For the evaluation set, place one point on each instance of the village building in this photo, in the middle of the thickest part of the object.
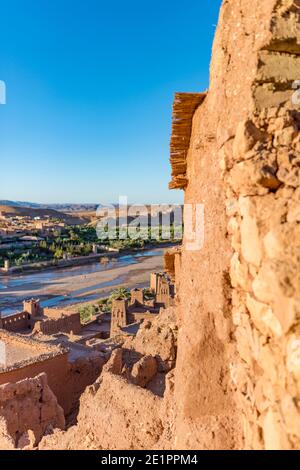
(48, 321)
(126, 313)
(69, 368)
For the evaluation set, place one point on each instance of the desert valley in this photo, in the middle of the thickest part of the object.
(164, 342)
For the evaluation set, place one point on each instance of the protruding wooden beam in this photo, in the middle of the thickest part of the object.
(184, 107)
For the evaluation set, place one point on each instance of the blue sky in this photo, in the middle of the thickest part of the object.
(90, 86)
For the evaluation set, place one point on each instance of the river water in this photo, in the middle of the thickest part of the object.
(61, 287)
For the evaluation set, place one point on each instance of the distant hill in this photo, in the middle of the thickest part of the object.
(39, 212)
(19, 204)
(73, 207)
(59, 207)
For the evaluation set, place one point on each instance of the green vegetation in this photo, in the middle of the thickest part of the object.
(87, 312)
(121, 293)
(18, 257)
(145, 236)
(74, 242)
(106, 304)
(102, 305)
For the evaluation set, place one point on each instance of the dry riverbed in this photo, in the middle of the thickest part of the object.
(67, 286)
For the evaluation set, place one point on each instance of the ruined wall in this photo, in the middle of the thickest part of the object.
(56, 369)
(131, 418)
(17, 322)
(29, 405)
(63, 324)
(81, 373)
(134, 317)
(157, 337)
(67, 380)
(137, 296)
(130, 406)
(237, 374)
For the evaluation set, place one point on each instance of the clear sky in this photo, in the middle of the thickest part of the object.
(90, 85)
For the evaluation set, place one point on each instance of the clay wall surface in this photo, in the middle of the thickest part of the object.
(27, 357)
(56, 369)
(140, 316)
(67, 380)
(130, 404)
(118, 316)
(237, 374)
(137, 295)
(32, 307)
(29, 405)
(63, 324)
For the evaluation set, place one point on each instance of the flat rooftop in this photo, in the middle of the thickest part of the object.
(19, 351)
(56, 312)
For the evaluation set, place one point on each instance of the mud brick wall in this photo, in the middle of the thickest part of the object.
(238, 368)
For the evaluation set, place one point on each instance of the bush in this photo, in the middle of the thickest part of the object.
(86, 313)
(106, 304)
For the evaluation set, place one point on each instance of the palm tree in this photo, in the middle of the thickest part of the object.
(120, 293)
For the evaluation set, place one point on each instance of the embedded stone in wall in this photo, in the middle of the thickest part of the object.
(293, 355)
(247, 135)
(263, 317)
(251, 245)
